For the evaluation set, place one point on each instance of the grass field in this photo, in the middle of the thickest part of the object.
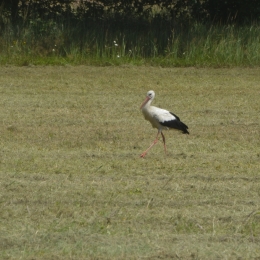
(72, 184)
(156, 43)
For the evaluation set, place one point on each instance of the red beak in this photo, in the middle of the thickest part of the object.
(145, 101)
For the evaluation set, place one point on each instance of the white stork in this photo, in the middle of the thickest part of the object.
(160, 119)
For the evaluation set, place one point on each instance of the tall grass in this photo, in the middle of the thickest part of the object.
(157, 42)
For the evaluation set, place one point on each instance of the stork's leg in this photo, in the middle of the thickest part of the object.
(154, 142)
(164, 142)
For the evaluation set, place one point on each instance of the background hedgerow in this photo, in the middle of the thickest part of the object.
(62, 32)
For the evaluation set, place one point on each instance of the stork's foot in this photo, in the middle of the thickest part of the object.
(143, 155)
(145, 152)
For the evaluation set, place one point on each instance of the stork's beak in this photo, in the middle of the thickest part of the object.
(145, 101)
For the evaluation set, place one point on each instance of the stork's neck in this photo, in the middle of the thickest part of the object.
(147, 105)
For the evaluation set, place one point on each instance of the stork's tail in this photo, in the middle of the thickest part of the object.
(184, 128)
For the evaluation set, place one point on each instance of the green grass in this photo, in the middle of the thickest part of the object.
(72, 184)
(159, 44)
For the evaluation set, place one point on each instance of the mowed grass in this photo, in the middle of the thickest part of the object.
(72, 184)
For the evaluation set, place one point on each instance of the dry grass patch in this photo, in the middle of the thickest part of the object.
(73, 185)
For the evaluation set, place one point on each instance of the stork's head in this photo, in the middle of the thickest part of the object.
(149, 97)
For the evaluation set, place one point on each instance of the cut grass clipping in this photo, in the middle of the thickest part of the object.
(72, 185)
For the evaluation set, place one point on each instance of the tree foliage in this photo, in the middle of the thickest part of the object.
(141, 28)
(19, 13)
(214, 10)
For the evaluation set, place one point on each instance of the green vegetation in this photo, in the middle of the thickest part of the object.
(197, 45)
(72, 184)
(131, 32)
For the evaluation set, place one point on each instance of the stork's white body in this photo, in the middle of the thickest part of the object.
(156, 116)
(161, 119)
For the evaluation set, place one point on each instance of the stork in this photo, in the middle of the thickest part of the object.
(161, 119)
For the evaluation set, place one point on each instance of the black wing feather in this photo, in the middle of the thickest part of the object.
(176, 124)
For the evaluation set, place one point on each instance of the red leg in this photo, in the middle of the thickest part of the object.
(154, 142)
(164, 143)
